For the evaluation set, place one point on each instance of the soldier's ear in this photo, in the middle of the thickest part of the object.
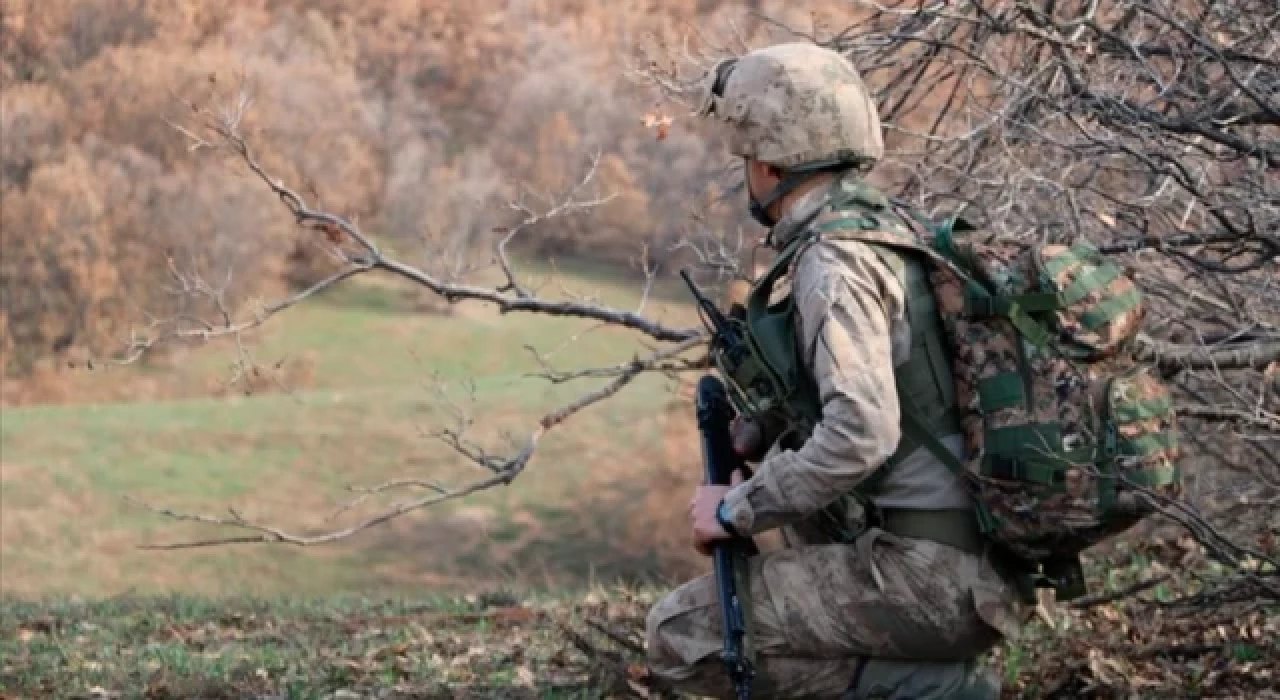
(764, 175)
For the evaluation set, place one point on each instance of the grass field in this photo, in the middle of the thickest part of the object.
(287, 458)
(182, 646)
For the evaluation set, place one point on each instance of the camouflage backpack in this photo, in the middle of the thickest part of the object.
(1066, 436)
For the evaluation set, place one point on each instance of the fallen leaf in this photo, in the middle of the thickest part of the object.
(513, 614)
(1046, 607)
(660, 122)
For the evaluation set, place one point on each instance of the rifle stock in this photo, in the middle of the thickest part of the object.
(714, 414)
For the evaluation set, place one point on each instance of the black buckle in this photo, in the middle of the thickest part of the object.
(1007, 468)
(980, 306)
(1015, 469)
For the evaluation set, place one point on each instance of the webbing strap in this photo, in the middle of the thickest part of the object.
(982, 305)
(1146, 444)
(1154, 477)
(927, 372)
(1031, 331)
(1095, 278)
(952, 527)
(913, 427)
(1025, 439)
(999, 391)
(1133, 411)
(1080, 250)
(1019, 469)
(1107, 311)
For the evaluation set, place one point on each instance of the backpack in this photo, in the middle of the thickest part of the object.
(1068, 439)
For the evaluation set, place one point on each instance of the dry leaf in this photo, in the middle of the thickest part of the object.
(1046, 607)
(513, 614)
(660, 122)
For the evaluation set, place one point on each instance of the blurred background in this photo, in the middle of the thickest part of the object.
(418, 120)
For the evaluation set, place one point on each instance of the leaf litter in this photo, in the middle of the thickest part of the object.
(1166, 634)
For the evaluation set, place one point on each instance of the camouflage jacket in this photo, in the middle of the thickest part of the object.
(853, 331)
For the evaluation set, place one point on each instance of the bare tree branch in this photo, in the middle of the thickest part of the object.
(1170, 356)
(503, 471)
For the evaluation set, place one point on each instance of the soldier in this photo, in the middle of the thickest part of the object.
(886, 588)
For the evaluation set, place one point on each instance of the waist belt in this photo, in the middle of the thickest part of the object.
(952, 527)
(959, 529)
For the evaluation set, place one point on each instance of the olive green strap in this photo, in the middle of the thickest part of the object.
(1077, 253)
(952, 527)
(913, 427)
(1133, 411)
(1003, 390)
(1105, 312)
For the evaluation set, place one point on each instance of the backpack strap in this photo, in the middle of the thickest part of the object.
(913, 427)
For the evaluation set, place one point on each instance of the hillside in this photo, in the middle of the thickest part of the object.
(342, 354)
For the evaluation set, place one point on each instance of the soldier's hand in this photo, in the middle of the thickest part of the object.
(702, 513)
(748, 438)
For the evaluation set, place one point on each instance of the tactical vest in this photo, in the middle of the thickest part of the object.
(781, 387)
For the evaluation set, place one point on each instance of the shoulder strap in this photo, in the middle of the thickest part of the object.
(913, 428)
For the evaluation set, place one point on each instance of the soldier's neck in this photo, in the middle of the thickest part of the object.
(799, 207)
(789, 200)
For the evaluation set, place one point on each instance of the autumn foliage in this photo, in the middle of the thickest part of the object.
(420, 120)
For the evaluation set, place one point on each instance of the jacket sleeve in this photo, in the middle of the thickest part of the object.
(847, 301)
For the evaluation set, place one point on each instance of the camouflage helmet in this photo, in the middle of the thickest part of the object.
(797, 106)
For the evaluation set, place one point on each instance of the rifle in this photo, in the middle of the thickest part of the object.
(719, 461)
(724, 337)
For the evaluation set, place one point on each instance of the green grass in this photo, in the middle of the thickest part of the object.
(287, 458)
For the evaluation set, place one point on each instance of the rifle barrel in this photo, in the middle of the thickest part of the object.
(719, 462)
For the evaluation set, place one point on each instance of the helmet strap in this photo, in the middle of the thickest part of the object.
(791, 179)
(760, 207)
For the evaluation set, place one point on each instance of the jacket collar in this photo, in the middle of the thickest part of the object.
(804, 210)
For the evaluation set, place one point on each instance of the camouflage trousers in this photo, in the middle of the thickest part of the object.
(907, 616)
